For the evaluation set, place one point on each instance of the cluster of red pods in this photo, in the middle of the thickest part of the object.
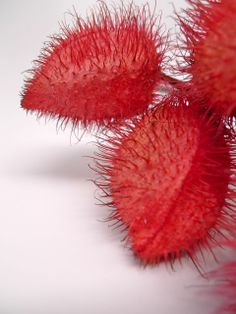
(167, 153)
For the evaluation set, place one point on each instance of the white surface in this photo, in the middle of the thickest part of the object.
(55, 254)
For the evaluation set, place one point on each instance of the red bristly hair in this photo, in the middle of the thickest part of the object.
(101, 70)
(208, 48)
(225, 283)
(169, 179)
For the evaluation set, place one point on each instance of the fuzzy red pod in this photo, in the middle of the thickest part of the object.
(225, 284)
(209, 50)
(168, 177)
(103, 69)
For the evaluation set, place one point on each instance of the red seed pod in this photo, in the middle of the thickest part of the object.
(225, 284)
(209, 46)
(168, 176)
(103, 69)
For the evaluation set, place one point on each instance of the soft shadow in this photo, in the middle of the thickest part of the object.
(62, 163)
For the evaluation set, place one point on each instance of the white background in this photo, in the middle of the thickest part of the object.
(56, 256)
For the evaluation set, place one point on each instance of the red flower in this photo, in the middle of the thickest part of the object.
(168, 176)
(102, 70)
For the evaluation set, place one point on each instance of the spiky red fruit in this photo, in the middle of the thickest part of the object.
(168, 175)
(225, 277)
(103, 69)
(209, 30)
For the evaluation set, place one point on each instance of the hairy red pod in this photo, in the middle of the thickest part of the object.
(225, 284)
(103, 69)
(168, 176)
(209, 46)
